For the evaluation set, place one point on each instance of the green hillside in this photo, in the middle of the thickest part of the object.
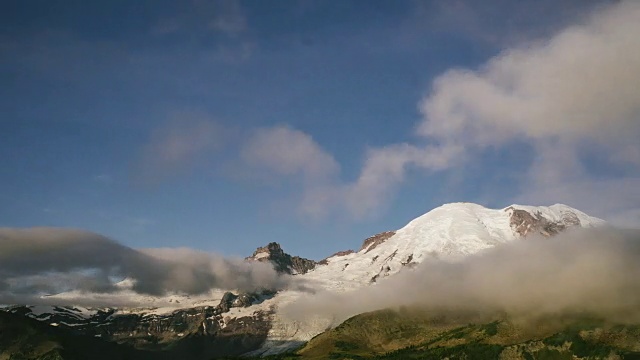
(415, 334)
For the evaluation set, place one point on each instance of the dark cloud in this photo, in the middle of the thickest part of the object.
(45, 260)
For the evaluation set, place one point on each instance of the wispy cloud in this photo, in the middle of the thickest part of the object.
(228, 17)
(286, 151)
(499, 23)
(104, 179)
(224, 20)
(225, 16)
(176, 146)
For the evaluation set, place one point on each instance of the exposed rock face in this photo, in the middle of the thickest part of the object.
(282, 262)
(525, 223)
(343, 253)
(370, 243)
(325, 261)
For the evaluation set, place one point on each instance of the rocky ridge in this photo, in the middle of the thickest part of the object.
(282, 262)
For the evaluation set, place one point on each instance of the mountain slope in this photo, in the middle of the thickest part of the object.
(253, 321)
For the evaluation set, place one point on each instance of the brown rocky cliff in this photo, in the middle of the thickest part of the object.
(370, 243)
(525, 223)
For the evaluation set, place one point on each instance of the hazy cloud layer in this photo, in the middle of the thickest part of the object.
(581, 271)
(46, 260)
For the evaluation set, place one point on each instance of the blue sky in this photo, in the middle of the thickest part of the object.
(224, 125)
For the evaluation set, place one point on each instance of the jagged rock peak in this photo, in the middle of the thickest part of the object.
(282, 262)
(265, 253)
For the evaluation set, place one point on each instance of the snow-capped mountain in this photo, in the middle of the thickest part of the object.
(449, 232)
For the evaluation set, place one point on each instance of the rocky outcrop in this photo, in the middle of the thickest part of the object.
(370, 243)
(282, 262)
(525, 223)
(325, 261)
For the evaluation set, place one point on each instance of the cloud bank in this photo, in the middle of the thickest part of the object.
(38, 261)
(585, 271)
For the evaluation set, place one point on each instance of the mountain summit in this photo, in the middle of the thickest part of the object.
(450, 231)
(282, 262)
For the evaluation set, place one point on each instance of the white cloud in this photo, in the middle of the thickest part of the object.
(286, 151)
(577, 89)
(384, 168)
(281, 151)
(573, 98)
(581, 83)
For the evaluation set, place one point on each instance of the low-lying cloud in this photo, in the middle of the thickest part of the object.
(39, 261)
(590, 271)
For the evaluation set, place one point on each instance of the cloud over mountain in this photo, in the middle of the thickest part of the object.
(37, 261)
(581, 271)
